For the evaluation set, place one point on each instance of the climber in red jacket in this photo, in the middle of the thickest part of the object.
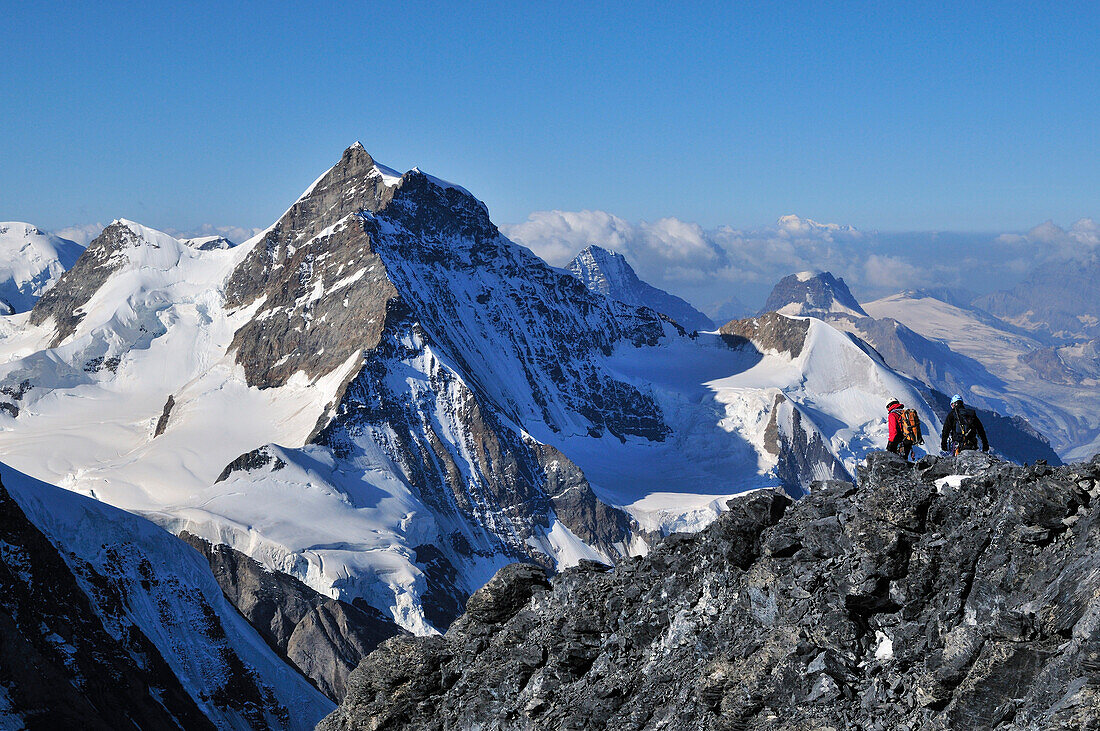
(896, 442)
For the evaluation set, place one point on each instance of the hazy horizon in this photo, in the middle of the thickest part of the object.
(708, 267)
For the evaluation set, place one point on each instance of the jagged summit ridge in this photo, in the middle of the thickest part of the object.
(812, 293)
(609, 273)
(960, 593)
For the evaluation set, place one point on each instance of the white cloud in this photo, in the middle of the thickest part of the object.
(80, 233)
(701, 265)
(1049, 242)
(709, 266)
(887, 272)
(236, 234)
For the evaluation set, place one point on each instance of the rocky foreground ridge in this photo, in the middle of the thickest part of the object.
(915, 600)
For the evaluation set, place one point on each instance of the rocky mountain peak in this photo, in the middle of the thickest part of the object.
(812, 294)
(428, 204)
(597, 263)
(609, 273)
(119, 243)
(770, 331)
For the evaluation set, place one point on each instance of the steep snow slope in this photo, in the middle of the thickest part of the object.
(1065, 409)
(30, 262)
(142, 582)
(609, 273)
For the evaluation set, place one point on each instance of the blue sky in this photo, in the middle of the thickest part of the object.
(885, 117)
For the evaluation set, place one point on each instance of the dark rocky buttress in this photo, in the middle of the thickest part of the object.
(324, 638)
(904, 603)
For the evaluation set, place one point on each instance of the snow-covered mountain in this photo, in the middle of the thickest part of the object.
(931, 362)
(609, 274)
(1027, 377)
(812, 294)
(109, 622)
(385, 398)
(30, 262)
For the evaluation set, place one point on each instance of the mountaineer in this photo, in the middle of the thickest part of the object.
(905, 428)
(962, 427)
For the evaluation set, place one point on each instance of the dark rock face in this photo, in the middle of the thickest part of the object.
(770, 331)
(495, 307)
(162, 422)
(325, 290)
(574, 503)
(506, 593)
(812, 295)
(63, 302)
(324, 638)
(908, 602)
(59, 665)
(256, 459)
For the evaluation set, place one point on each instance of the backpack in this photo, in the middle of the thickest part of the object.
(910, 426)
(965, 431)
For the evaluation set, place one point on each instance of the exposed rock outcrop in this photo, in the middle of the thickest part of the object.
(324, 638)
(959, 593)
(770, 331)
